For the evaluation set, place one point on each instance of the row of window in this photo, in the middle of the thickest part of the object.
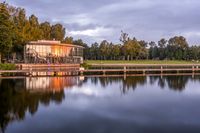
(55, 50)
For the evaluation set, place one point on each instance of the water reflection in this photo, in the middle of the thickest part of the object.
(176, 83)
(20, 97)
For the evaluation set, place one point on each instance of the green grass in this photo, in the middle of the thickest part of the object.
(90, 62)
(6, 66)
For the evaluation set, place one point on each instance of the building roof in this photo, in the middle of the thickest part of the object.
(50, 42)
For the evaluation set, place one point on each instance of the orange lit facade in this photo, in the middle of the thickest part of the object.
(44, 52)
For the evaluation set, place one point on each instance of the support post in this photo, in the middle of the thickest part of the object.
(124, 69)
(81, 73)
(161, 69)
(124, 76)
(104, 73)
(144, 72)
(30, 71)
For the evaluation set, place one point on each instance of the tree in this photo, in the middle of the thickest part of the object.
(143, 43)
(46, 30)
(57, 32)
(94, 51)
(104, 49)
(35, 31)
(132, 48)
(21, 30)
(124, 37)
(152, 44)
(116, 51)
(178, 41)
(68, 40)
(162, 43)
(6, 30)
(177, 47)
(79, 42)
(161, 50)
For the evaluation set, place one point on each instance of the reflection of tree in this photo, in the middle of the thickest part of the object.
(94, 80)
(133, 82)
(176, 83)
(16, 100)
(127, 84)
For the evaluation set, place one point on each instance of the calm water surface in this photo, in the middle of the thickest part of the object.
(168, 104)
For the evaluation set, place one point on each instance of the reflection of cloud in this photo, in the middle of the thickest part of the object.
(192, 89)
(84, 91)
(92, 90)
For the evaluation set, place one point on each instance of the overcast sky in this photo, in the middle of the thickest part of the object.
(96, 20)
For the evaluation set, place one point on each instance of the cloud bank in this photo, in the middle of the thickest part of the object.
(96, 20)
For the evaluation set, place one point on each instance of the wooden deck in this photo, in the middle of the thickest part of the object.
(47, 66)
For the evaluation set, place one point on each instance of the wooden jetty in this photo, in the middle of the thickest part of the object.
(106, 69)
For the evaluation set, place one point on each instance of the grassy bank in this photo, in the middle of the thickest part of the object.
(90, 62)
(7, 66)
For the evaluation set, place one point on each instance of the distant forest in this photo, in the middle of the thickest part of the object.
(16, 29)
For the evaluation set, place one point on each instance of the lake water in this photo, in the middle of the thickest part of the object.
(140, 104)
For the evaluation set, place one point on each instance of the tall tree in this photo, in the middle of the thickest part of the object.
(176, 47)
(104, 49)
(132, 48)
(94, 51)
(116, 51)
(57, 32)
(46, 30)
(143, 43)
(21, 30)
(178, 41)
(5, 30)
(162, 44)
(36, 32)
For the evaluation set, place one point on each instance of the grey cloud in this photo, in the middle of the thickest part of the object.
(144, 19)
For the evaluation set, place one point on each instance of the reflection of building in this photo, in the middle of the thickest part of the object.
(50, 83)
(44, 52)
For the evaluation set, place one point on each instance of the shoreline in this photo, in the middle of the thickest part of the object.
(104, 69)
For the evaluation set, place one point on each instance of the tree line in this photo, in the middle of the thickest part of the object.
(175, 48)
(17, 29)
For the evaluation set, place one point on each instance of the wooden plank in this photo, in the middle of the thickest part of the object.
(144, 65)
(113, 75)
(97, 70)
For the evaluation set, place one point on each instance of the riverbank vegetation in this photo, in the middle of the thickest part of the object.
(7, 66)
(17, 29)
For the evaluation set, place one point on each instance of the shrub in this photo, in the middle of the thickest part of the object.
(7, 66)
(85, 65)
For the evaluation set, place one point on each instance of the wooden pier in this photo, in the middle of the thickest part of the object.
(98, 69)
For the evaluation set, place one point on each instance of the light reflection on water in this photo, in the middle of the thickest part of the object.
(105, 104)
